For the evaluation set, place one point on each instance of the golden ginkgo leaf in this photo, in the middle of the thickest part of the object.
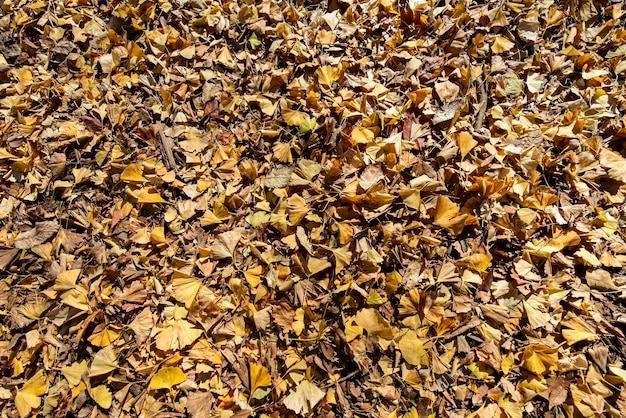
(540, 358)
(149, 195)
(167, 378)
(104, 337)
(102, 395)
(259, 377)
(133, 173)
(412, 349)
(29, 396)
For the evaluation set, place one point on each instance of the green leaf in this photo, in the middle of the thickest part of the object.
(254, 40)
(308, 124)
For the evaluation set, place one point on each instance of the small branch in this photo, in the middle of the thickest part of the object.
(165, 145)
(482, 106)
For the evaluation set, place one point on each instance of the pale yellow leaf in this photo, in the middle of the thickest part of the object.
(104, 361)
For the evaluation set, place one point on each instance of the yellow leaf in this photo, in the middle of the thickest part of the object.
(447, 215)
(185, 289)
(298, 321)
(540, 358)
(343, 258)
(167, 378)
(466, 142)
(28, 397)
(412, 349)
(104, 337)
(577, 330)
(361, 135)
(104, 362)
(373, 322)
(66, 280)
(480, 370)
(149, 195)
(535, 309)
(189, 52)
(259, 377)
(501, 44)
(411, 198)
(477, 262)
(133, 173)
(74, 373)
(316, 265)
(253, 276)
(157, 235)
(102, 395)
(282, 152)
(327, 74)
(297, 209)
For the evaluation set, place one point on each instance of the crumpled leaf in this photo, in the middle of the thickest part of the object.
(306, 396)
(41, 233)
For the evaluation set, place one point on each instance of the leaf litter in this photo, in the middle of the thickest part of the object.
(341, 208)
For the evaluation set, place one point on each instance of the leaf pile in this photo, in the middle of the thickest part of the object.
(338, 208)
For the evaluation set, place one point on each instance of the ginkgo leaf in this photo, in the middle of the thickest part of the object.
(185, 289)
(75, 372)
(37, 235)
(225, 244)
(327, 74)
(29, 396)
(149, 195)
(104, 361)
(412, 349)
(104, 337)
(501, 44)
(177, 336)
(448, 215)
(304, 398)
(278, 177)
(373, 322)
(294, 117)
(576, 330)
(133, 173)
(167, 378)
(262, 318)
(142, 325)
(466, 142)
(102, 395)
(540, 358)
(478, 262)
(259, 377)
(253, 276)
(66, 280)
(316, 265)
(157, 235)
